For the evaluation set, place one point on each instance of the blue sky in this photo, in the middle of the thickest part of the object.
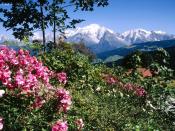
(122, 15)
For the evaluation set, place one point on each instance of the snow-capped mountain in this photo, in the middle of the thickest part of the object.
(90, 34)
(100, 38)
(109, 41)
(141, 35)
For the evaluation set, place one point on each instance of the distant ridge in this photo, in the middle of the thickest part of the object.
(147, 46)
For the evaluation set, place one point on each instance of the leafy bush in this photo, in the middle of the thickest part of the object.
(145, 59)
(103, 98)
(108, 99)
(28, 100)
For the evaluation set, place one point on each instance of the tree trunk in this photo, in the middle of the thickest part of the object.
(54, 24)
(43, 27)
(54, 30)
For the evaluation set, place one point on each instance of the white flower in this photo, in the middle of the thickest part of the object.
(98, 89)
(2, 92)
(1, 124)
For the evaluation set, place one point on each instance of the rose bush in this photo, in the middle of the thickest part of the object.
(28, 99)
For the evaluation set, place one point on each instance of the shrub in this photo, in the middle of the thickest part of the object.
(28, 100)
(107, 99)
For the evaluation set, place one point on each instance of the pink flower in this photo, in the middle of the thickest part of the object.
(19, 70)
(6, 74)
(64, 99)
(31, 80)
(60, 126)
(62, 77)
(140, 92)
(2, 92)
(1, 123)
(6, 81)
(15, 61)
(109, 79)
(79, 123)
(38, 102)
(19, 80)
(128, 86)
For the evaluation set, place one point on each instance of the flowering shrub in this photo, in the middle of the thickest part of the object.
(20, 70)
(107, 99)
(62, 77)
(60, 126)
(64, 99)
(26, 83)
(112, 80)
(138, 90)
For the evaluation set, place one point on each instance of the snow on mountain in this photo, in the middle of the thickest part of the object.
(90, 34)
(109, 41)
(141, 35)
(100, 38)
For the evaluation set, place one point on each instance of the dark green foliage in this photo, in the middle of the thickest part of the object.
(145, 59)
(133, 60)
(171, 51)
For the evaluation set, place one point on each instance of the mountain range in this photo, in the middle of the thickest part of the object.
(101, 39)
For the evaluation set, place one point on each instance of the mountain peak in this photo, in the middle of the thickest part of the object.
(141, 35)
(92, 32)
(93, 25)
(160, 32)
(136, 31)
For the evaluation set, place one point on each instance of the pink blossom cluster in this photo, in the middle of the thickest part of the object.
(38, 102)
(1, 123)
(62, 77)
(138, 90)
(110, 79)
(64, 99)
(60, 126)
(80, 124)
(20, 70)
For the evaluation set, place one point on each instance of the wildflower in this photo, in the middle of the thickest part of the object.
(2, 92)
(19, 79)
(62, 77)
(145, 72)
(1, 123)
(128, 86)
(64, 99)
(140, 92)
(38, 102)
(60, 126)
(79, 123)
(110, 79)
